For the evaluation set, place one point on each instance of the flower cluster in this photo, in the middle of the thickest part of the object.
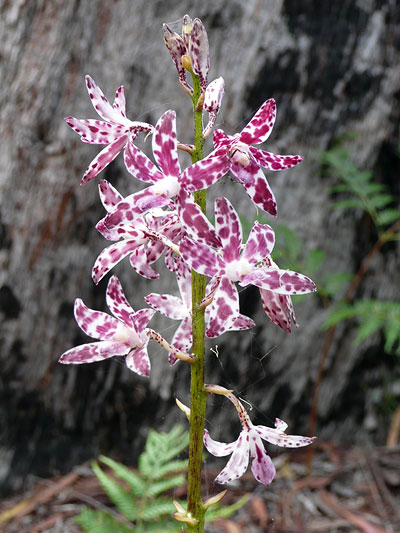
(163, 220)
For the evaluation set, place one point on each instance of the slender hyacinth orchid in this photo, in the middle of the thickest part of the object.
(246, 160)
(115, 130)
(212, 103)
(189, 51)
(124, 333)
(249, 443)
(227, 263)
(166, 178)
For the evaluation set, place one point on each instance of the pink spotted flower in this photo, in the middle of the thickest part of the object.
(124, 333)
(218, 254)
(246, 160)
(115, 130)
(166, 179)
(249, 443)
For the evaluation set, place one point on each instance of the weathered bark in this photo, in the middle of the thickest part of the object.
(333, 67)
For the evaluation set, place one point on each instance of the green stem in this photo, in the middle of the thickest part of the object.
(198, 395)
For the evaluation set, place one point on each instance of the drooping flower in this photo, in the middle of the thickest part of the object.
(194, 44)
(223, 260)
(249, 443)
(166, 177)
(115, 130)
(246, 160)
(124, 333)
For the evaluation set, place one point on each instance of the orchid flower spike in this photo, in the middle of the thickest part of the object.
(115, 130)
(249, 443)
(191, 51)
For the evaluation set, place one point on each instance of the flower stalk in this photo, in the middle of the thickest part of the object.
(198, 395)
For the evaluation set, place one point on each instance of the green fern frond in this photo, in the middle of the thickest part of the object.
(121, 497)
(165, 484)
(101, 522)
(158, 508)
(135, 482)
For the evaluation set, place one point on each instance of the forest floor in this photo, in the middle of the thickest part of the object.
(348, 490)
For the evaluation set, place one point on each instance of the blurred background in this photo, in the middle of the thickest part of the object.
(334, 70)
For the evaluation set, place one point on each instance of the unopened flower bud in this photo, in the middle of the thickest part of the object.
(214, 499)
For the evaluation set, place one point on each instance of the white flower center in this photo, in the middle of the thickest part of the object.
(168, 186)
(126, 334)
(240, 153)
(237, 269)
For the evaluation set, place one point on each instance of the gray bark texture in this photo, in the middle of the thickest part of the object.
(333, 67)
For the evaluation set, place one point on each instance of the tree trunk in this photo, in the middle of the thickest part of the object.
(333, 67)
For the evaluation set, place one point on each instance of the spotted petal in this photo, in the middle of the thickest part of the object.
(138, 361)
(195, 222)
(278, 437)
(259, 244)
(229, 229)
(94, 351)
(260, 126)
(102, 105)
(167, 305)
(256, 185)
(206, 172)
(201, 258)
(280, 281)
(238, 462)
(272, 161)
(108, 154)
(117, 302)
(96, 324)
(279, 309)
(165, 148)
(111, 256)
(119, 101)
(219, 449)
(224, 308)
(262, 466)
(95, 131)
(140, 263)
(199, 52)
(109, 195)
(140, 166)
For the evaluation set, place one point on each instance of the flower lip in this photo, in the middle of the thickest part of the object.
(126, 334)
(168, 186)
(235, 270)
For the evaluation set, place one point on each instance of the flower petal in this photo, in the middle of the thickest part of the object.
(238, 462)
(138, 361)
(177, 49)
(259, 244)
(220, 139)
(167, 305)
(94, 351)
(139, 263)
(165, 146)
(196, 224)
(260, 126)
(280, 281)
(201, 258)
(256, 185)
(223, 309)
(140, 166)
(109, 195)
(279, 438)
(199, 52)
(241, 322)
(205, 172)
(278, 308)
(141, 318)
(95, 131)
(117, 302)
(262, 466)
(273, 161)
(96, 324)
(119, 101)
(229, 229)
(102, 105)
(108, 154)
(112, 255)
(219, 449)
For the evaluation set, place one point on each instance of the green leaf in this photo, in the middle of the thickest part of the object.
(101, 522)
(338, 314)
(334, 282)
(351, 202)
(292, 242)
(136, 483)
(225, 511)
(157, 508)
(314, 260)
(388, 216)
(369, 325)
(165, 484)
(122, 498)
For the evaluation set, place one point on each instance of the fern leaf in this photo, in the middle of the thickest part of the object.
(378, 201)
(165, 484)
(135, 482)
(388, 216)
(157, 508)
(338, 314)
(100, 522)
(117, 493)
(369, 325)
(173, 466)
